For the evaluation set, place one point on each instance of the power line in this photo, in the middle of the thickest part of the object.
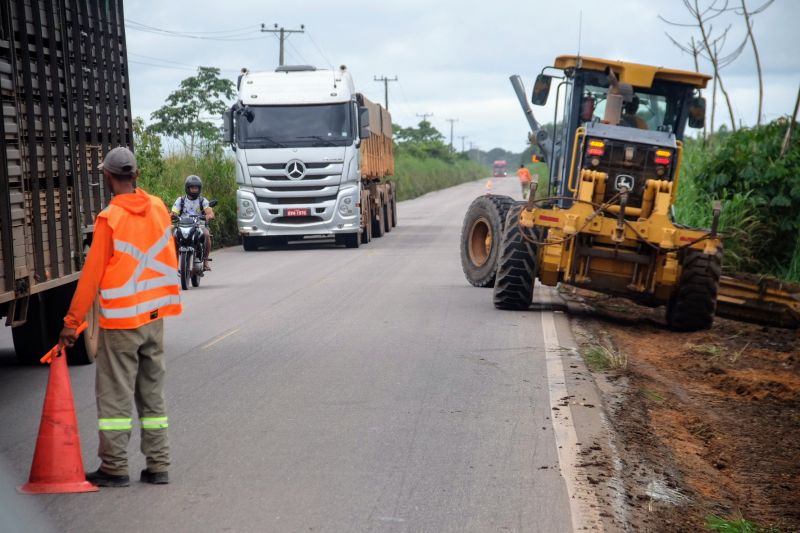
(284, 34)
(228, 37)
(234, 30)
(385, 81)
(310, 38)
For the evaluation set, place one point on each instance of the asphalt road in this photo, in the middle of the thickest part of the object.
(317, 388)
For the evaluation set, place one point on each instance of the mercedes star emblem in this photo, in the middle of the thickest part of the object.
(295, 169)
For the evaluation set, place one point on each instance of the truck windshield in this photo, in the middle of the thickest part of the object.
(296, 126)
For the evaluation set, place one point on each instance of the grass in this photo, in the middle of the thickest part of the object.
(736, 525)
(416, 176)
(602, 357)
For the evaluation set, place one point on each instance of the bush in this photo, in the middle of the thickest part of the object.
(760, 193)
(416, 176)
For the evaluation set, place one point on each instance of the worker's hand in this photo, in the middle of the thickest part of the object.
(67, 337)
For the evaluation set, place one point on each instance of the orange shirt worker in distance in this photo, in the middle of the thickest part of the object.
(524, 180)
(132, 268)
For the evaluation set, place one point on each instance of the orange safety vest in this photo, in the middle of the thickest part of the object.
(140, 283)
(524, 175)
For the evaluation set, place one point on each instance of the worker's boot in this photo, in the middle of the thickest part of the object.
(154, 478)
(102, 479)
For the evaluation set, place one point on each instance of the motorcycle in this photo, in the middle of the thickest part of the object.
(190, 244)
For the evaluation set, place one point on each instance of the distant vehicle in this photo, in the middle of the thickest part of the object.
(190, 243)
(312, 157)
(500, 168)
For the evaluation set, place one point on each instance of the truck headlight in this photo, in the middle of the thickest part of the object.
(346, 206)
(246, 209)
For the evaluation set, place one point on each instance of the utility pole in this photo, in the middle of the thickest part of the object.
(284, 34)
(451, 121)
(424, 116)
(385, 81)
(462, 137)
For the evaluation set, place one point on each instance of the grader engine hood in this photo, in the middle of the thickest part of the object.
(629, 156)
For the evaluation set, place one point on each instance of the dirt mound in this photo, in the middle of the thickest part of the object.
(712, 417)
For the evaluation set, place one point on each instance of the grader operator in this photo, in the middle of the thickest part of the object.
(607, 223)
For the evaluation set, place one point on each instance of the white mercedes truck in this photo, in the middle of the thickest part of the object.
(312, 158)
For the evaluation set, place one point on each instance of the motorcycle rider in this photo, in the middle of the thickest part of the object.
(193, 204)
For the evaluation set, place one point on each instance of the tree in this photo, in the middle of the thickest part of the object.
(185, 115)
(710, 46)
(748, 20)
(423, 141)
(148, 151)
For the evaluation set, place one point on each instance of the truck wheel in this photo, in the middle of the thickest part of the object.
(251, 244)
(394, 210)
(516, 269)
(387, 217)
(352, 240)
(366, 229)
(693, 305)
(32, 339)
(377, 222)
(480, 238)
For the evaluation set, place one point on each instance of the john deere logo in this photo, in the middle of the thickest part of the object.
(295, 169)
(624, 180)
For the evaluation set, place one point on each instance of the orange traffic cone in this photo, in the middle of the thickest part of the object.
(57, 463)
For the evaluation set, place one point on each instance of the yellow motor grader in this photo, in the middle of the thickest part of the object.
(607, 223)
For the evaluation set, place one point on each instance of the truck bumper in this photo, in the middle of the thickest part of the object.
(259, 217)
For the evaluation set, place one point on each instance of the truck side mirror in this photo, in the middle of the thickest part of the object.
(363, 122)
(227, 125)
(541, 89)
(697, 112)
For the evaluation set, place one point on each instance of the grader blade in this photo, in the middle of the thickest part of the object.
(765, 301)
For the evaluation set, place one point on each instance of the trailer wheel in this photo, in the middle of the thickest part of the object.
(693, 305)
(516, 269)
(377, 222)
(480, 238)
(250, 244)
(387, 217)
(394, 208)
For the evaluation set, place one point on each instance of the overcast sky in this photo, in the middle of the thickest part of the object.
(452, 58)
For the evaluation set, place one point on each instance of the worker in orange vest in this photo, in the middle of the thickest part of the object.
(524, 180)
(133, 265)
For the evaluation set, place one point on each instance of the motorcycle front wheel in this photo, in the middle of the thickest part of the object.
(185, 269)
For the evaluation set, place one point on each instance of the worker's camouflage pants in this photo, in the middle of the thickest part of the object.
(130, 364)
(526, 189)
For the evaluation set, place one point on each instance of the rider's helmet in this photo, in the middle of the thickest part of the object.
(193, 181)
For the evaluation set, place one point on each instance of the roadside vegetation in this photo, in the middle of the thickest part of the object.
(760, 193)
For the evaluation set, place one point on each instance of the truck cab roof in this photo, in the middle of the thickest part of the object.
(296, 85)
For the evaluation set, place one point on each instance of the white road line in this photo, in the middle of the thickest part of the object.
(220, 338)
(584, 507)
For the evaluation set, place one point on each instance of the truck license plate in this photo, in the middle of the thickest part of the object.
(302, 212)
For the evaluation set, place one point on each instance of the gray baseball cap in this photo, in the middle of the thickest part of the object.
(120, 161)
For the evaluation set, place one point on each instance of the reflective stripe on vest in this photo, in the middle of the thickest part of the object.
(114, 424)
(146, 259)
(159, 422)
(136, 310)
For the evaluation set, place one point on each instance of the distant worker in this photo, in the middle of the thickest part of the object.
(133, 266)
(524, 180)
(193, 204)
(629, 116)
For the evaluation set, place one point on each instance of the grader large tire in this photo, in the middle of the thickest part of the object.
(516, 269)
(693, 305)
(480, 238)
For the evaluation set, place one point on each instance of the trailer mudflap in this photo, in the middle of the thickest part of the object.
(765, 301)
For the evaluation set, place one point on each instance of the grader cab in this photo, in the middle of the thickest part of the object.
(607, 222)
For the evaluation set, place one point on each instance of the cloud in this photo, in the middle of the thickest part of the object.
(453, 58)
